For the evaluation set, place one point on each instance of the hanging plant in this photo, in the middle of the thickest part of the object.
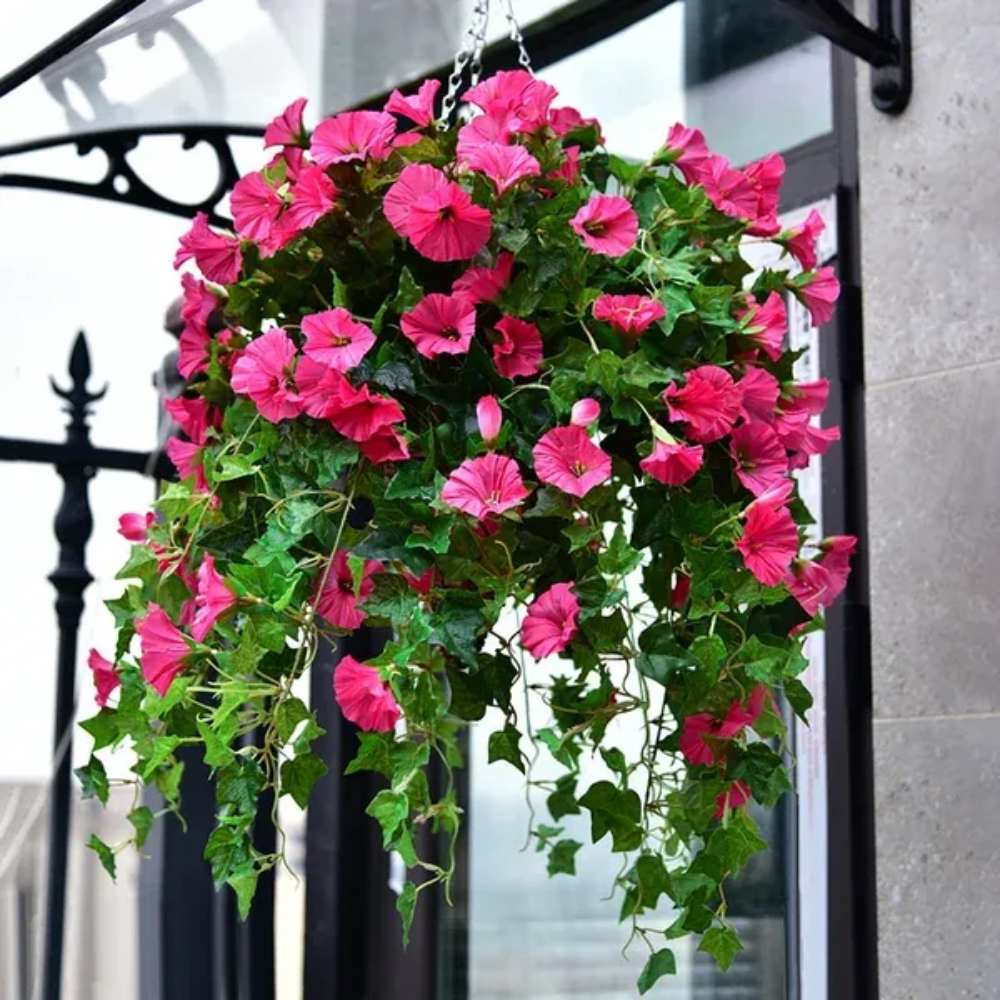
(524, 406)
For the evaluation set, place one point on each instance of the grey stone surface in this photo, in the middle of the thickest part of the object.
(934, 539)
(930, 208)
(938, 791)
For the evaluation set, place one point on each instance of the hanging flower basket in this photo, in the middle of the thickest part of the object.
(524, 405)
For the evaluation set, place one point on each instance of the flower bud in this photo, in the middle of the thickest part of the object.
(585, 412)
(490, 418)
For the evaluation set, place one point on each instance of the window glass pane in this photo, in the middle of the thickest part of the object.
(536, 938)
(724, 66)
(232, 61)
(741, 72)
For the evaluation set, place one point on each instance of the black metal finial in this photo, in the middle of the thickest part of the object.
(78, 397)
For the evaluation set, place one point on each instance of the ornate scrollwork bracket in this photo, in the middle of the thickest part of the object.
(121, 183)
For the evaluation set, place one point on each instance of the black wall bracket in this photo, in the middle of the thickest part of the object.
(886, 47)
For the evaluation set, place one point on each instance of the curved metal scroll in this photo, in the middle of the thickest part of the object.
(120, 182)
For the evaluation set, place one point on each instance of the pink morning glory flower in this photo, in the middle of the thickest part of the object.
(629, 314)
(758, 456)
(164, 648)
(212, 599)
(338, 603)
(264, 372)
(503, 165)
(364, 698)
(519, 350)
(218, 257)
(335, 338)
(105, 678)
(551, 621)
(440, 324)
(419, 107)
(135, 527)
(489, 416)
(484, 284)
(485, 486)
(286, 129)
(769, 542)
(709, 403)
(607, 224)
(672, 463)
(353, 135)
(566, 458)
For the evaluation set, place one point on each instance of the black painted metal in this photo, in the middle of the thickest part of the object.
(73, 526)
(76, 461)
(851, 801)
(62, 46)
(120, 182)
(886, 48)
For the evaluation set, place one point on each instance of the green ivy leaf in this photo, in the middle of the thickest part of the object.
(619, 557)
(612, 809)
(103, 727)
(562, 802)
(341, 294)
(562, 857)
(390, 810)
(104, 854)
(504, 745)
(244, 884)
(93, 780)
(408, 294)
(372, 755)
(723, 944)
(406, 903)
(798, 697)
(141, 819)
(660, 963)
(299, 775)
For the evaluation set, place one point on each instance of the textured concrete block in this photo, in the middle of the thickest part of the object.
(930, 214)
(934, 539)
(937, 787)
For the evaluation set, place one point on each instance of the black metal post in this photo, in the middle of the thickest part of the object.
(73, 525)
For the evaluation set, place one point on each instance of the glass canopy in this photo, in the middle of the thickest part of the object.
(182, 62)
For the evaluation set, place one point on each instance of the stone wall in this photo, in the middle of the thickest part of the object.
(930, 201)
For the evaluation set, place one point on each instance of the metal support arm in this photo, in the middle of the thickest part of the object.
(886, 48)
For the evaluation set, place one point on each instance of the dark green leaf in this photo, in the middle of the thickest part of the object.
(504, 745)
(104, 853)
(299, 775)
(93, 780)
(562, 857)
(614, 810)
(405, 905)
(660, 963)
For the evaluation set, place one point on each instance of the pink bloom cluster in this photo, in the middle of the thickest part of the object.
(735, 413)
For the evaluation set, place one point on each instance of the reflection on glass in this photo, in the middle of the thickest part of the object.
(535, 938)
(235, 61)
(741, 72)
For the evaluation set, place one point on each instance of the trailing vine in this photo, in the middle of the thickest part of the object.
(524, 405)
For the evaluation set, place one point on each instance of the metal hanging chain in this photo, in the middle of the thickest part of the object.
(471, 49)
(514, 30)
(470, 52)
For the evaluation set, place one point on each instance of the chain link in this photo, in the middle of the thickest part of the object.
(470, 53)
(471, 48)
(516, 37)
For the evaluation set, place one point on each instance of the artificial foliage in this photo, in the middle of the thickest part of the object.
(524, 406)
